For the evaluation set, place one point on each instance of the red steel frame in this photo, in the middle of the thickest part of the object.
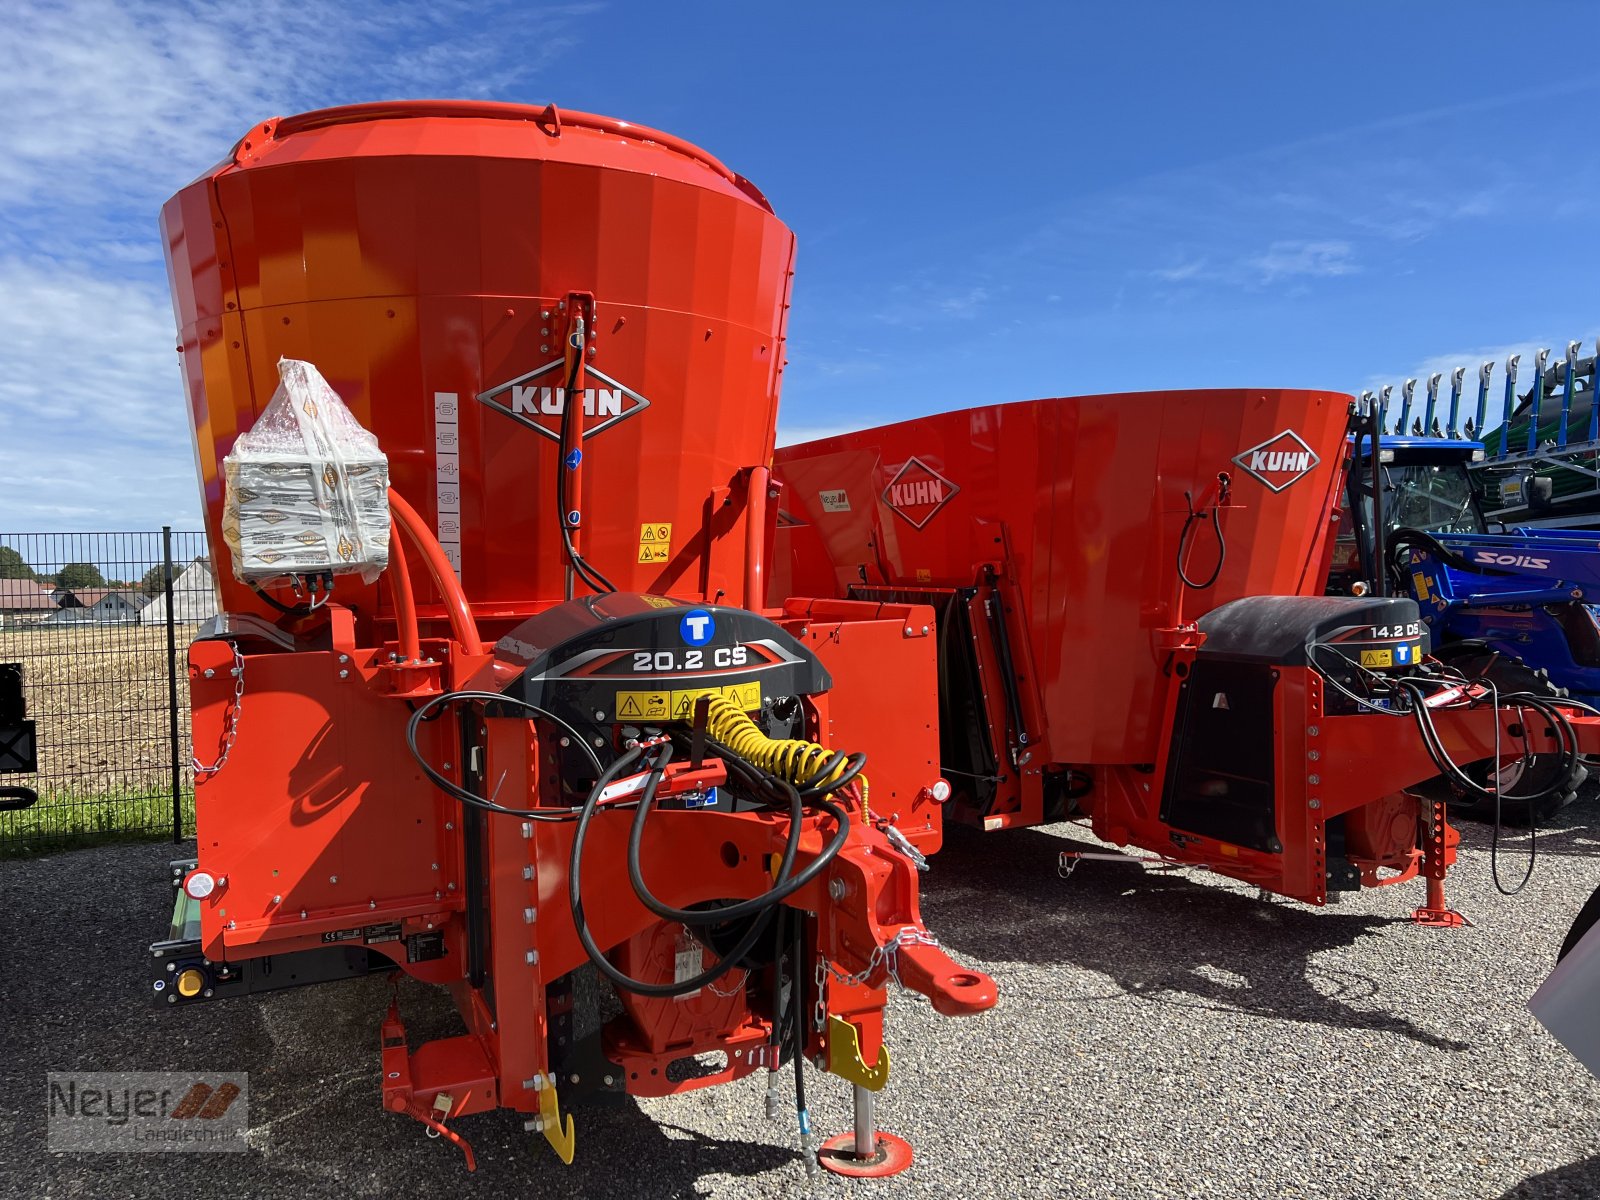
(310, 842)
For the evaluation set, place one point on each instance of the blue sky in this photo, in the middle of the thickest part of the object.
(992, 202)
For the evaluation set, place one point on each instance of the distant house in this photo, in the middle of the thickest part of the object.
(23, 602)
(100, 606)
(194, 597)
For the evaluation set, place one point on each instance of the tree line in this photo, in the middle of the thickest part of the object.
(73, 576)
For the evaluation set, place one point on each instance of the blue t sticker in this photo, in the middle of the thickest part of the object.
(1402, 654)
(697, 627)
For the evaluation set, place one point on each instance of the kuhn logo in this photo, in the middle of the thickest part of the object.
(1279, 461)
(540, 405)
(1490, 558)
(917, 492)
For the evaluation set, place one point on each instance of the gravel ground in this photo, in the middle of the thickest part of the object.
(1159, 1035)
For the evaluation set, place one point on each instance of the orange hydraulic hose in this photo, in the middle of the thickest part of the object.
(755, 539)
(462, 624)
(405, 601)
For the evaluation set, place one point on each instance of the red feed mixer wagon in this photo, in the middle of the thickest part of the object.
(1131, 626)
(556, 728)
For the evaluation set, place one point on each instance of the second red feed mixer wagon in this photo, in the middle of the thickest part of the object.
(1131, 627)
(483, 399)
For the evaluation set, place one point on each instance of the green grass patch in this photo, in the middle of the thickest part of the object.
(65, 820)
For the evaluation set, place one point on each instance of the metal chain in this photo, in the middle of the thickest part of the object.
(888, 956)
(744, 977)
(819, 1011)
(230, 721)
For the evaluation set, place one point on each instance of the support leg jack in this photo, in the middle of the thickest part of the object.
(1437, 913)
(865, 1153)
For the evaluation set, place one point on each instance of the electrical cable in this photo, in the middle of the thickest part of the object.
(775, 1032)
(299, 610)
(1311, 647)
(472, 799)
(807, 764)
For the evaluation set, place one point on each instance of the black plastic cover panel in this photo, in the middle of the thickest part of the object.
(1221, 779)
(630, 658)
(1277, 629)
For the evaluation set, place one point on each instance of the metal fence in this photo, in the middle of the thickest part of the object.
(100, 624)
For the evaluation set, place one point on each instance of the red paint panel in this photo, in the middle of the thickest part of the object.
(416, 249)
(1080, 501)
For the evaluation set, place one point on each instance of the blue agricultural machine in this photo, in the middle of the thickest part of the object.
(1513, 607)
(1542, 469)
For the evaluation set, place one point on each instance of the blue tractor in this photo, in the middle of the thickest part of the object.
(1512, 608)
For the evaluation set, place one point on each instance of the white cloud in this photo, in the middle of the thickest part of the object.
(91, 404)
(1189, 270)
(107, 99)
(1288, 260)
(964, 304)
(927, 299)
(109, 107)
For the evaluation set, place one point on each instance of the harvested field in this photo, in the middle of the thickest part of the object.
(99, 697)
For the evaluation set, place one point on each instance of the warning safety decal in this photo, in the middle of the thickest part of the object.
(655, 541)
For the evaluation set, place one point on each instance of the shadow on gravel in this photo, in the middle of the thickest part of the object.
(1575, 1181)
(1160, 937)
(1574, 832)
(81, 923)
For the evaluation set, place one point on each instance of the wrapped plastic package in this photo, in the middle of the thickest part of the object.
(307, 487)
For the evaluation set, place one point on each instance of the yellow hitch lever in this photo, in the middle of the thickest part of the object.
(844, 1057)
(562, 1137)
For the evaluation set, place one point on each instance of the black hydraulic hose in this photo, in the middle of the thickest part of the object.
(804, 1115)
(1436, 749)
(15, 799)
(1441, 758)
(590, 575)
(834, 762)
(574, 896)
(1183, 543)
(1569, 755)
(786, 884)
(1008, 669)
(816, 784)
(1404, 538)
(1564, 777)
(301, 610)
(581, 924)
(853, 765)
(472, 799)
(821, 784)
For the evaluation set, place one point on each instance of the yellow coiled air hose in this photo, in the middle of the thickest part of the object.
(788, 758)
